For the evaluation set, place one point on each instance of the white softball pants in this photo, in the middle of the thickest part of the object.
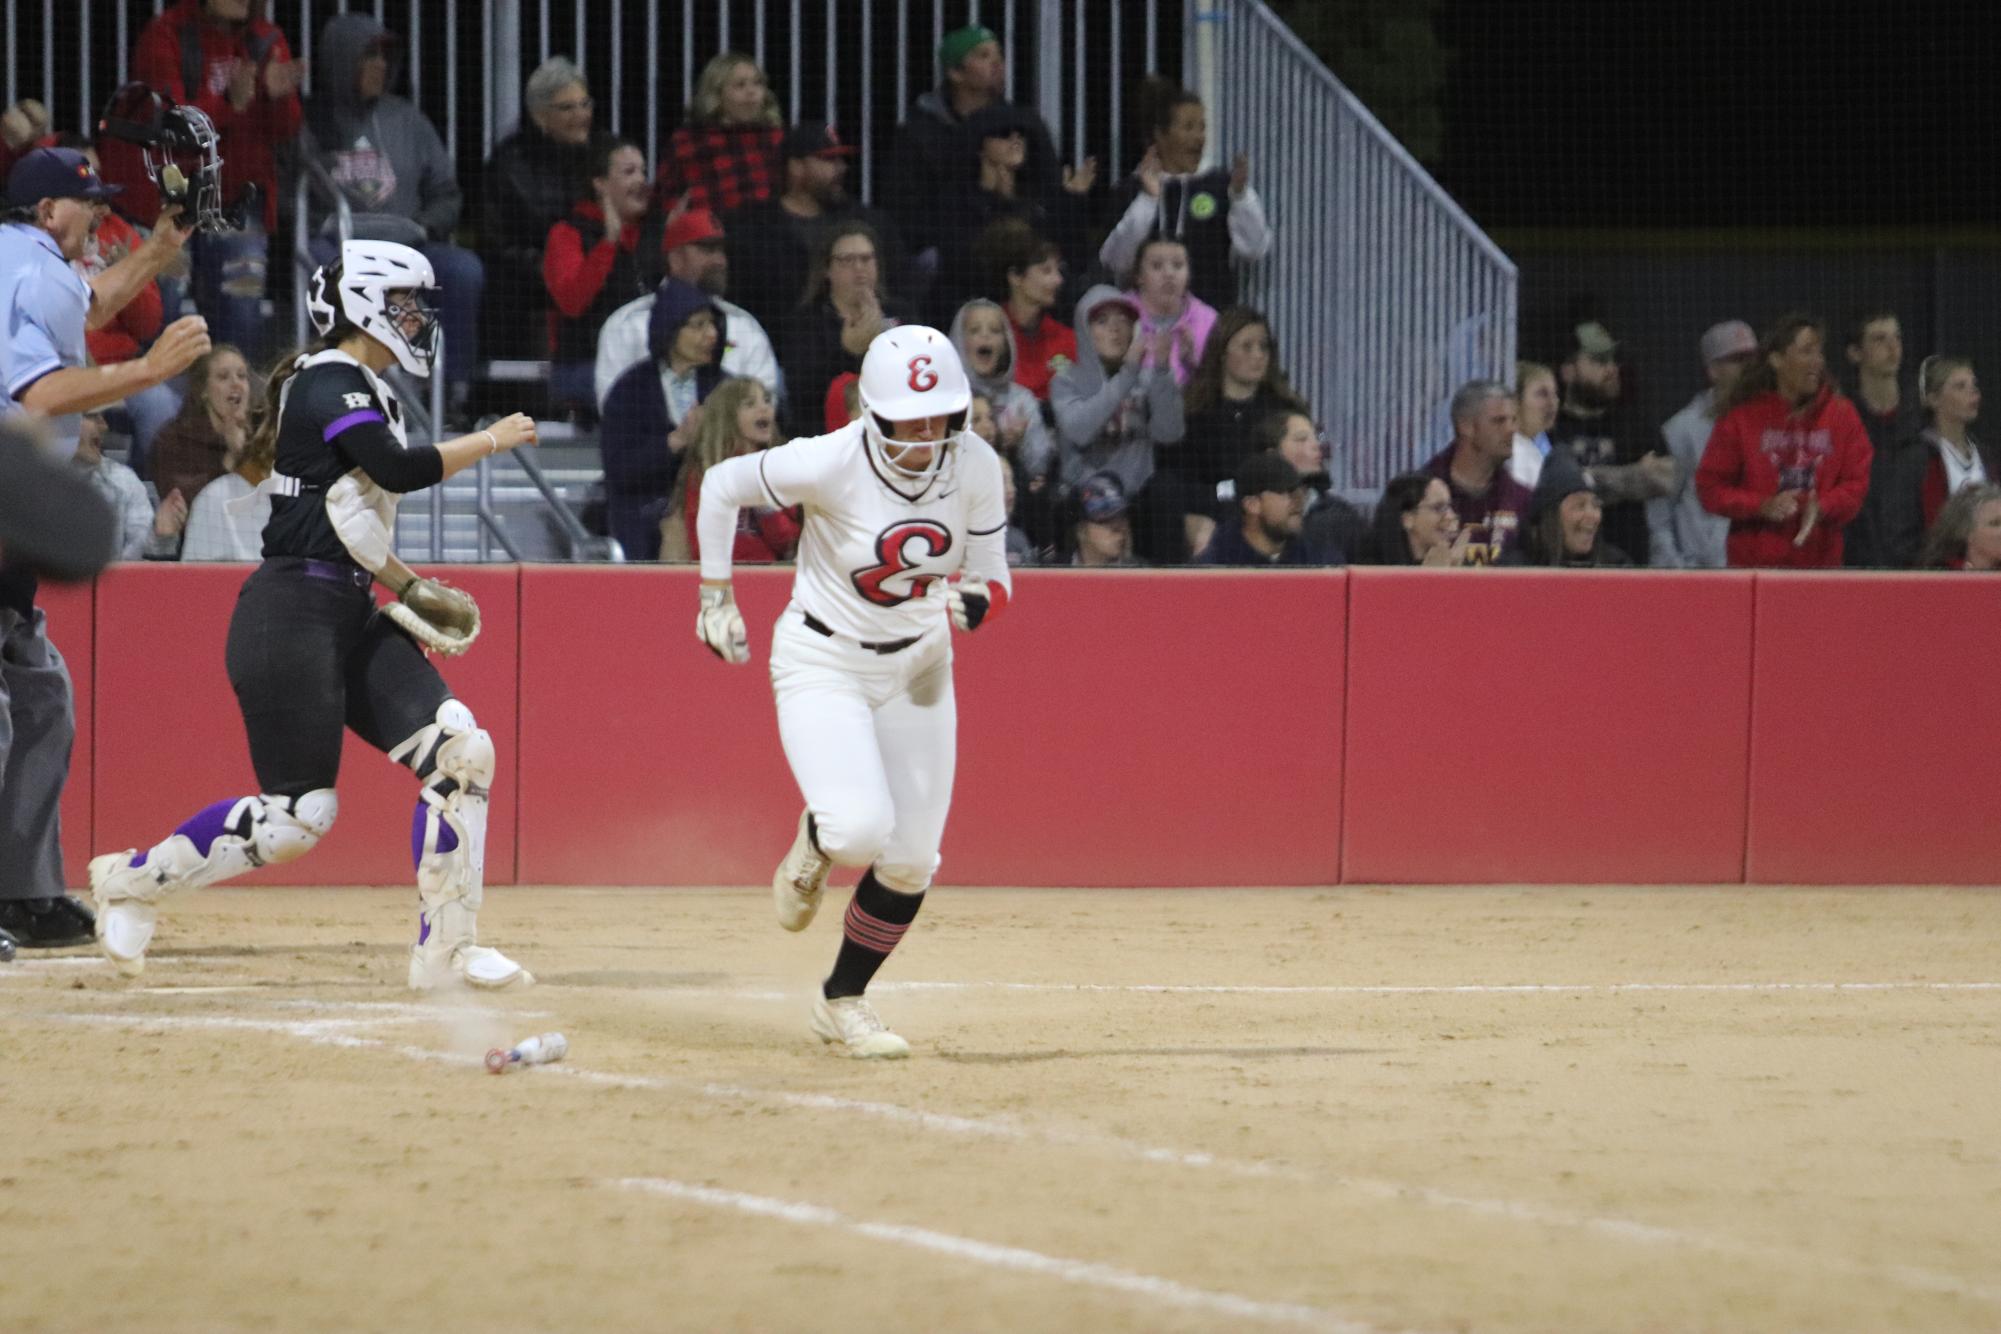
(873, 741)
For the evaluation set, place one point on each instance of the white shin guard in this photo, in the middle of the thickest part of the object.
(448, 843)
(219, 842)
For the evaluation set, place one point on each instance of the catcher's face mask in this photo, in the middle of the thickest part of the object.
(183, 156)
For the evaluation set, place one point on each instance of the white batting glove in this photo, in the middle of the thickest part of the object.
(720, 625)
(969, 602)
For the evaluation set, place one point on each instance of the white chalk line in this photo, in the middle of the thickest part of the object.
(1085, 1273)
(341, 1033)
(1470, 989)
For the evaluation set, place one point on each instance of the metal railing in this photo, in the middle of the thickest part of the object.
(1383, 294)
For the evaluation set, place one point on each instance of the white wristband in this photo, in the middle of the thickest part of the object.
(492, 442)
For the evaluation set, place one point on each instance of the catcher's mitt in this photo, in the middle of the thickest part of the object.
(438, 616)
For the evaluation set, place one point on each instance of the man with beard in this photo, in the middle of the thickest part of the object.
(1271, 511)
(1619, 456)
(772, 243)
(695, 255)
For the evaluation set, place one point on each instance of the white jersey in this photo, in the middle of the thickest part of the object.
(875, 548)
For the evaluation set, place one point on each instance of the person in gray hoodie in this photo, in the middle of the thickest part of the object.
(984, 338)
(387, 159)
(1115, 406)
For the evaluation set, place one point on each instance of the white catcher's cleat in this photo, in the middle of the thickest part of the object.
(852, 1022)
(124, 922)
(797, 885)
(435, 964)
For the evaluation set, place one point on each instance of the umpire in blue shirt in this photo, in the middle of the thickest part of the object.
(53, 201)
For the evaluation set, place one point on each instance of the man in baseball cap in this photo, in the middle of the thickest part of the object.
(1681, 534)
(771, 243)
(51, 205)
(1271, 511)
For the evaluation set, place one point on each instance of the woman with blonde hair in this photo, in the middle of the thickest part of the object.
(738, 418)
(1536, 403)
(1945, 459)
(725, 153)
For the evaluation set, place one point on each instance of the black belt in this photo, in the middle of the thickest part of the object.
(819, 627)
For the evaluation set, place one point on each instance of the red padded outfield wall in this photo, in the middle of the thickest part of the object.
(1166, 728)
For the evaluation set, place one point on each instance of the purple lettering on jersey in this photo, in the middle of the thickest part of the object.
(355, 418)
(448, 839)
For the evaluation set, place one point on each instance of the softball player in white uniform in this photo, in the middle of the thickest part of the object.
(896, 504)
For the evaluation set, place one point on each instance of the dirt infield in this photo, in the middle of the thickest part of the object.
(1480, 1109)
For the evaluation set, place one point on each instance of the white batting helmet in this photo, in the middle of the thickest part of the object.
(357, 286)
(912, 372)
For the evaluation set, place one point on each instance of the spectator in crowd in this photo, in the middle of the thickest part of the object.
(1682, 535)
(845, 308)
(227, 520)
(1967, 533)
(1944, 459)
(139, 534)
(122, 337)
(388, 161)
(1114, 409)
(1029, 269)
(214, 422)
(1160, 286)
(1000, 183)
(980, 421)
(1271, 512)
(1788, 462)
(1876, 352)
(844, 401)
(1596, 425)
(931, 147)
(45, 306)
(226, 58)
(1490, 504)
(1415, 524)
(695, 254)
(1565, 519)
(606, 253)
(532, 182)
(1333, 527)
(1101, 533)
(740, 417)
(771, 243)
(653, 414)
(724, 155)
(1238, 384)
(1536, 404)
(1216, 213)
(985, 342)
(22, 126)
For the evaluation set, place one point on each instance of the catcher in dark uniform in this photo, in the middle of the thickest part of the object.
(310, 653)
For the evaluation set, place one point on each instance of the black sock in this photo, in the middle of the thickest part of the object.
(876, 920)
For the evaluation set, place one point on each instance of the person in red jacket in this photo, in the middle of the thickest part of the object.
(1788, 463)
(225, 58)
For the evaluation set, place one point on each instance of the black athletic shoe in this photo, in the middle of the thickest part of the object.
(49, 923)
(7, 947)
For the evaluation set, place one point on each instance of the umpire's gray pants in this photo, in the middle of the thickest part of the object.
(37, 724)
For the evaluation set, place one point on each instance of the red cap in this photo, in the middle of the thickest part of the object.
(693, 226)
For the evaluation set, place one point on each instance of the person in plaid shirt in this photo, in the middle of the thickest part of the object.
(726, 155)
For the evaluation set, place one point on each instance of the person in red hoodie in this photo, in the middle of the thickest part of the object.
(225, 58)
(1788, 463)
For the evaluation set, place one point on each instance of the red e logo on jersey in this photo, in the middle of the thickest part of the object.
(891, 549)
(921, 379)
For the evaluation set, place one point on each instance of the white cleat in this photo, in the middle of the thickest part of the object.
(800, 879)
(435, 965)
(124, 923)
(851, 1021)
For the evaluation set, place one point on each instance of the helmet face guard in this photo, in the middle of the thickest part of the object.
(183, 156)
(912, 373)
(387, 291)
